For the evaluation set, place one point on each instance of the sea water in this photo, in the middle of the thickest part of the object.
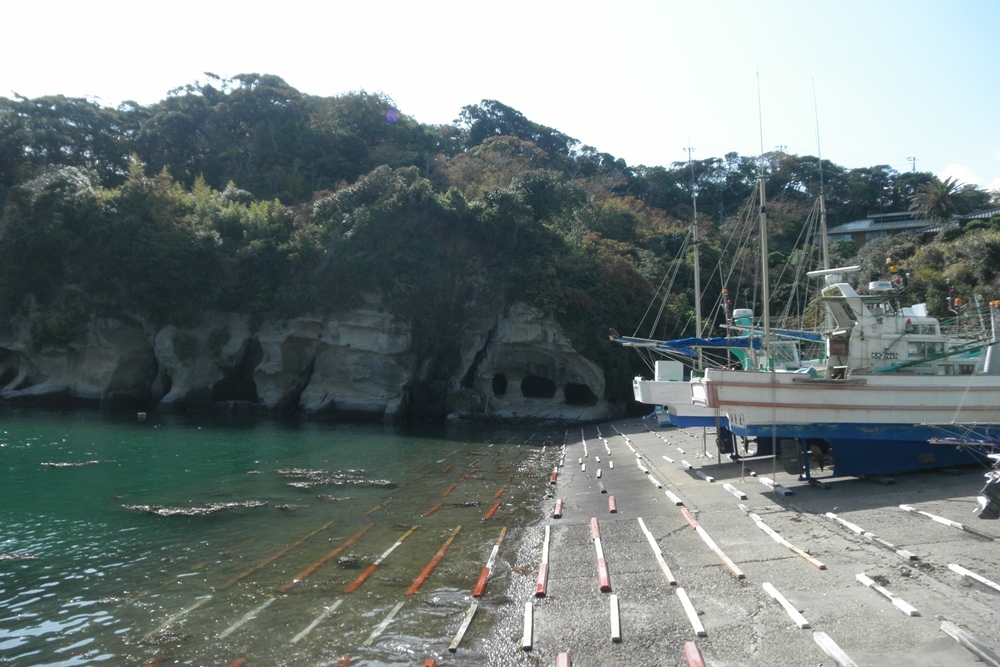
(219, 541)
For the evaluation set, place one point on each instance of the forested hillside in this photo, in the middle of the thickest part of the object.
(247, 195)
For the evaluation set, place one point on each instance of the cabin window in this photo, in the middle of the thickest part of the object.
(786, 355)
(922, 349)
(838, 347)
(966, 369)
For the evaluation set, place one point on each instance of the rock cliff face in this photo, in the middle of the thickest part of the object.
(514, 363)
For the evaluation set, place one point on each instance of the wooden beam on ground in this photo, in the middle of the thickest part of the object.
(971, 643)
(972, 575)
(831, 649)
(419, 581)
(691, 612)
(903, 606)
(658, 554)
(527, 637)
(466, 622)
(792, 612)
(616, 620)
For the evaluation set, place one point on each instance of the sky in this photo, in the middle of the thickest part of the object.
(905, 83)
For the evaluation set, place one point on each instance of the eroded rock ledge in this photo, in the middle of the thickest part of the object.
(514, 363)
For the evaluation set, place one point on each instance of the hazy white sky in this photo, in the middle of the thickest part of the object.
(889, 81)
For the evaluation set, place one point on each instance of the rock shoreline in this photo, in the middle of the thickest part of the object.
(509, 364)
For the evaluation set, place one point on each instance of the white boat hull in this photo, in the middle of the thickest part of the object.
(760, 398)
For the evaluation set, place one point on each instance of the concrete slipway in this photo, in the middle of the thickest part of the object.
(820, 576)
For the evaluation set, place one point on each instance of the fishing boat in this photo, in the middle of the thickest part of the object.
(670, 391)
(891, 380)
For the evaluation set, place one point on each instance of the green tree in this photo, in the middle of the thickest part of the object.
(46, 234)
(940, 200)
(63, 131)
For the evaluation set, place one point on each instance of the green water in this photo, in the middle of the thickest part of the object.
(184, 541)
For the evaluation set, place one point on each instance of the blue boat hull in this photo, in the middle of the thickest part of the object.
(860, 450)
(681, 421)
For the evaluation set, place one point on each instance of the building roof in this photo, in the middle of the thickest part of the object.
(881, 222)
(981, 215)
(904, 221)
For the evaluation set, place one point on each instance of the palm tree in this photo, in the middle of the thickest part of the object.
(940, 200)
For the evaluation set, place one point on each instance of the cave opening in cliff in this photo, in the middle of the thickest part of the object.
(535, 386)
(579, 394)
(499, 384)
(238, 384)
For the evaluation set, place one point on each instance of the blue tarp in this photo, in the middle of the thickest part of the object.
(688, 346)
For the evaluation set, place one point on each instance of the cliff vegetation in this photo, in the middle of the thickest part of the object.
(247, 196)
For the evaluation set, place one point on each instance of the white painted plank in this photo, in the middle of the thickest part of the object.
(792, 612)
(691, 612)
(831, 649)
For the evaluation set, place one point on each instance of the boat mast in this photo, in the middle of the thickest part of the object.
(822, 197)
(697, 262)
(765, 282)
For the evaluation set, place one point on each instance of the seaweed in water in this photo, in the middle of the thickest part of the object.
(307, 478)
(66, 464)
(160, 510)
